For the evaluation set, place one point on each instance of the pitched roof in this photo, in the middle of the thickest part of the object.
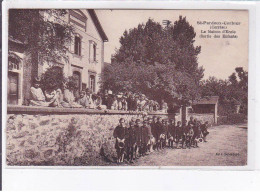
(100, 30)
(207, 100)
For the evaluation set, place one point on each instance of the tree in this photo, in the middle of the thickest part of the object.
(52, 78)
(160, 62)
(46, 36)
(185, 57)
(239, 88)
(230, 91)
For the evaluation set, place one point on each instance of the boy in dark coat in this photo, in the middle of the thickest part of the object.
(137, 132)
(184, 134)
(163, 135)
(196, 133)
(179, 133)
(204, 130)
(130, 141)
(158, 131)
(144, 137)
(171, 133)
(189, 135)
(120, 134)
(191, 122)
(153, 129)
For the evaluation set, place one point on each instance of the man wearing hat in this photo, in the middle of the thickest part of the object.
(132, 103)
(110, 99)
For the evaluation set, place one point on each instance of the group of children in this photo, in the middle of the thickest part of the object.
(69, 96)
(142, 138)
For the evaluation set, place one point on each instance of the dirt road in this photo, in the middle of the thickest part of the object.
(226, 146)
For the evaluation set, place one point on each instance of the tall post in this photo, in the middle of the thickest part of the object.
(216, 114)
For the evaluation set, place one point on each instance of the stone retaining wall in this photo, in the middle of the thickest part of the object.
(202, 117)
(71, 137)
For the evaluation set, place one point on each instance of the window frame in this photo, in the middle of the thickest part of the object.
(93, 51)
(79, 47)
(92, 76)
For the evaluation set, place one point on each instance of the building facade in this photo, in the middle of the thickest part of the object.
(85, 60)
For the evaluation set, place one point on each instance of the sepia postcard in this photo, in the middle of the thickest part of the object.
(127, 87)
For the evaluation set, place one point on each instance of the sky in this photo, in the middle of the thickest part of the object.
(219, 57)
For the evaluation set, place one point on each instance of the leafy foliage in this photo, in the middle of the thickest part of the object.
(160, 62)
(42, 31)
(52, 78)
(72, 82)
(230, 92)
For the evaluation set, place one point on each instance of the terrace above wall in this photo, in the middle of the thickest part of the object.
(14, 109)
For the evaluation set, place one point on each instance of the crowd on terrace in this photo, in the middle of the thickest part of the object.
(66, 97)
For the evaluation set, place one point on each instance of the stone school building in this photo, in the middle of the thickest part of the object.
(86, 59)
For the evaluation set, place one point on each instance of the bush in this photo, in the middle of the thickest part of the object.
(52, 78)
(236, 118)
(232, 119)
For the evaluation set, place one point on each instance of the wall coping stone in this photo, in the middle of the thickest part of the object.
(201, 114)
(17, 109)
